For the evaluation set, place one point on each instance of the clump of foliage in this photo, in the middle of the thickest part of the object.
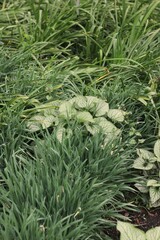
(91, 112)
(149, 163)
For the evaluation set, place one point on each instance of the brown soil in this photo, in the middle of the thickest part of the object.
(145, 220)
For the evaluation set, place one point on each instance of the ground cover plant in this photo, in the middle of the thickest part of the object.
(129, 231)
(90, 70)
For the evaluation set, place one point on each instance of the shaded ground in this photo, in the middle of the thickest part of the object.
(144, 220)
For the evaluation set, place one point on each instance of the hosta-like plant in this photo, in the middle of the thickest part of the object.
(149, 163)
(90, 112)
(129, 232)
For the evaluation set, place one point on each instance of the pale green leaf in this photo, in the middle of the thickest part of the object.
(155, 204)
(109, 137)
(91, 102)
(34, 126)
(63, 132)
(153, 183)
(108, 129)
(143, 99)
(93, 129)
(80, 102)
(66, 110)
(141, 187)
(157, 149)
(142, 164)
(145, 154)
(154, 193)
(84, 117)
(153, 234)
(60, 133)
(40, 122)
(47, 122)
(101, 108)
(129, 232)
(158, 159)
(49, 111)
(106, 126)
(116, 115)
(72, 101)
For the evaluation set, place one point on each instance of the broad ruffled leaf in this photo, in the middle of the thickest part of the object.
(91, 102)
(108, 129)
(153, 183)
(101, 108)
(84, 117)
(153, 234)
(66, 110)
(154, 193)
(48, 121)
(110, 137)
(155, 204)
(49, 111)
(129, 232)
(142, 164)
(116, 115)
(40, 122)
(80, 102)
(145, 154)
(157, 149)
(93, 129)
(34, 124)
(106, 126)
(63, 132)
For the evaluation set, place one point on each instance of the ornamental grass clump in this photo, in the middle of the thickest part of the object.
(68, 190)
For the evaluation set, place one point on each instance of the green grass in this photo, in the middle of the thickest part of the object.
(73, 189)
(52, 50)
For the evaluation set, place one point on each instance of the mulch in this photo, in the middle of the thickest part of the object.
(144, 220)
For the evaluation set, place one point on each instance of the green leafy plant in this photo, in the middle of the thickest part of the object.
(149, 163)
(130, 232)
(90, 112)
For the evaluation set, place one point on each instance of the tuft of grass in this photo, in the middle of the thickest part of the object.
(64, 191)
